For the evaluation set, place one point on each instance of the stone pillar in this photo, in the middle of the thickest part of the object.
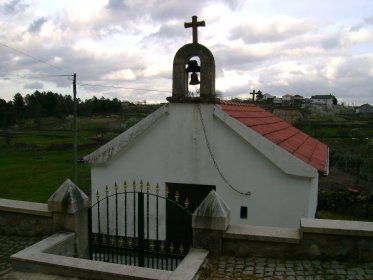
(209, 222)
(69, 207)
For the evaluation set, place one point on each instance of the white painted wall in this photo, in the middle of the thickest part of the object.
(327, 102)
(174, 150)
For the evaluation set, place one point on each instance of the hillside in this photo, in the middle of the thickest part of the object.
(36, 157)
(348, 189)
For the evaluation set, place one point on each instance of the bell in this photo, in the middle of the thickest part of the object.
(194, 79)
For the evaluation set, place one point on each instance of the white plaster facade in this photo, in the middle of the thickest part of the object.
(322, 100)
(169, 146)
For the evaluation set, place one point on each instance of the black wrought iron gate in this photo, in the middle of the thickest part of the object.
(129, 227)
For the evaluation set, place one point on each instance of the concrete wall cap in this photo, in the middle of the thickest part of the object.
(213, 213)
(338, 227)
(24, 207)
(262, 233)
(68, 199)
(213, 206)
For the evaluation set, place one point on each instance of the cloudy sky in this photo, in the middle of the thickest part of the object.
(125, 48)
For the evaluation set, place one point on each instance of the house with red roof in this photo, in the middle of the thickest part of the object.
(265, 169)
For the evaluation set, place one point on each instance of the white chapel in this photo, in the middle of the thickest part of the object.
(266, 170)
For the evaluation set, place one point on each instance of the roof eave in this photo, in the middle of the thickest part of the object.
(103, 155)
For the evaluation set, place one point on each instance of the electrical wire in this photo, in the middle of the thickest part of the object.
(31, 76)
(213, 157)
(33, 57)
(121, 87)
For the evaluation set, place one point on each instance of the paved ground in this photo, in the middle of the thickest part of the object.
(10, 245)
(276, 269)
(225, 267)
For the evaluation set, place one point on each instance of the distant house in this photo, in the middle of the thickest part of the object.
(365, 109)
(322, 100)
(127, 104)
(267, 96)
(287, 98)
(277, 100)
(297, 99)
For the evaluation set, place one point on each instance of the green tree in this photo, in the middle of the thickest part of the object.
(34, 107)
(335, 100)
(19, 105)
(259, 96)
(7, 113)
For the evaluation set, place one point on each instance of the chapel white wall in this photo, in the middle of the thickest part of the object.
(174, 150)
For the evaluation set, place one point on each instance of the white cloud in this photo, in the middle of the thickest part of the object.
(124, 74)
(259, 29)
(357, 37)
(329, 71)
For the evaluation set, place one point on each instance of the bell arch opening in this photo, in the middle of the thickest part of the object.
(193, 70)
(201, 70)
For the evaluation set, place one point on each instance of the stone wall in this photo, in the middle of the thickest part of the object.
(25, 218)
(66, 211)
(316, 238)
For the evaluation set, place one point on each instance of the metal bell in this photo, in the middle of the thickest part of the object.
(194, 79)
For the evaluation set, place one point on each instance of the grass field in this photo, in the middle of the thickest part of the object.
(37, 162)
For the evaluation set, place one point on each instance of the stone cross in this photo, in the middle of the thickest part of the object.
(194, 24)
(253, 94)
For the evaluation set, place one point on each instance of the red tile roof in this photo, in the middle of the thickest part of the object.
(283, 134)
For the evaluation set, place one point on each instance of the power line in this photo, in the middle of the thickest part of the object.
(31, 76)
(33, 57)
(120, 87)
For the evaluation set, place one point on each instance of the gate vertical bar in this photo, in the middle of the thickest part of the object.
(90, 233)
(99, 225)
(157, 229)
(116, 220)
(147, 223)
(125, 222)
(107, 224)
(140, 227)
(134, 221)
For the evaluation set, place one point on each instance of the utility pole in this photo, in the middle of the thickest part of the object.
(75, 134)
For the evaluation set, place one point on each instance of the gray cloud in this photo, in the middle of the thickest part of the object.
(33, 85)
(167, 35)
(366, 22)
(160, 11)
(116, 4)
(273, 31)
(228, 57)
(37, 24)
(331, 41)
(13, 7)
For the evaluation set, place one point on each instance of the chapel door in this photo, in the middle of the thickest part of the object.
(194, 194)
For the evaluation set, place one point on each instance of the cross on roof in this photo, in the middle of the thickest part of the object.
(194, 24)
(253, 94)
